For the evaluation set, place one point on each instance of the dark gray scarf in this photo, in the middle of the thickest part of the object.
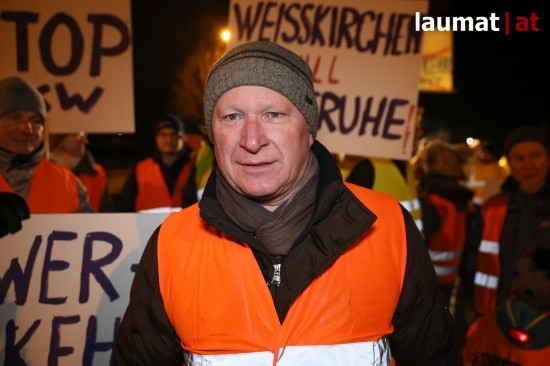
(277, 230)
(18, 170)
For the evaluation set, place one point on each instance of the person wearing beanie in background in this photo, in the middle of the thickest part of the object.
(165, 180)
(447, 206)
(70, 149)
(518, 331)
(281, 262)
(47, 187)
(517, 219)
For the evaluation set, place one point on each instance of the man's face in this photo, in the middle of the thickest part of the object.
(74, 144)
(529, 163)
(21, 132)
(262, 143)
(169, 141)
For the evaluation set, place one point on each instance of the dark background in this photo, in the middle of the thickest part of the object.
(500, 81)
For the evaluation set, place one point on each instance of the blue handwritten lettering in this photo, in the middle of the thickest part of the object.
(21, 279)
(21, 19)
(53, 265)
(56, 350)
(313, 24)
(332, 114)
(67, 101)
(98, 50)
(12, 349)
(93, 267)
(77, 44)
(92, 346)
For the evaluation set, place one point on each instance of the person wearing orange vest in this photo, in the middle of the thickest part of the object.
(517, 220)
(517, 332)
(70, 149)
(281, 263)
(165, 180)
(47, 187)
(446, 205)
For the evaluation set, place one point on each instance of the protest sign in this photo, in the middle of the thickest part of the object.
(64, 285)
(78, 54)
(366, 60)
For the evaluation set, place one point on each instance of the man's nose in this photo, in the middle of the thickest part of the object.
(253, 134)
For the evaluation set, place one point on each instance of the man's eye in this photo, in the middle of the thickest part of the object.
(274, 114)
(231, 117)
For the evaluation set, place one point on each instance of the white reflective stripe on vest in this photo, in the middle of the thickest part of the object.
(359, 354)
(448, 255)
(484, 280)
(478, 200)
(419, 224)
(489, 247)
(412, 205)
(445, 271)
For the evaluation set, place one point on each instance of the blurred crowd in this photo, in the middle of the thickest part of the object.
(482, 207)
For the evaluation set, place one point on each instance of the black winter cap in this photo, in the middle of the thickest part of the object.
(169, 121)
(526, 133)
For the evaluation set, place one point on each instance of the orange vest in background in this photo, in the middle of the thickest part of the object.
(152, 190)
(488, 261)
(486, 345)
(95, 185)
(447, 243)
(218, 284)
(54, 189)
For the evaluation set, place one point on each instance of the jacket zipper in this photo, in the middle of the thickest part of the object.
(277, 267)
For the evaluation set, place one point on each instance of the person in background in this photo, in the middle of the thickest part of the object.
(516, 220)
(395, 177)
(281, 262)
(47, 187)
(446, 207)
(518, 331)
(483, 171)
(196, 138)
(165, 179)
(70, 149)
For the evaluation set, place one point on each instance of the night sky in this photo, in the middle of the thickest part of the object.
(500, 81)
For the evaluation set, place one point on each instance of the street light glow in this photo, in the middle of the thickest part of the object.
(226, 34)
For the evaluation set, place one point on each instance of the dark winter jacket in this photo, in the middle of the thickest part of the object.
(423, 334)
(526, 227)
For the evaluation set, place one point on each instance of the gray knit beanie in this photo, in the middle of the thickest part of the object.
(267, 64)
(18, 94)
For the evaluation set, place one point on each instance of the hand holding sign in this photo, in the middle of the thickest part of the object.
(13, 210)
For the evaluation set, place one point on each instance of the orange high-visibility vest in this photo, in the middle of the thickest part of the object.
(221, 308)
(54, 189)
(152, 190)
(488, 261)
(447, 243)
(95, 185)
(486, 345)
